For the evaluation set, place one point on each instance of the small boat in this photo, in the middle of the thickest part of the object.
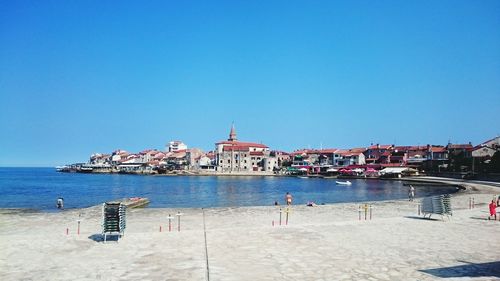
(343, 182)
(86, 169)
(63, 169)
(302, 177)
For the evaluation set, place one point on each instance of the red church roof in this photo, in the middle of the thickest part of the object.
(244, 144)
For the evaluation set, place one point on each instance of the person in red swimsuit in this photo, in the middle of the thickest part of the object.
(493, 209)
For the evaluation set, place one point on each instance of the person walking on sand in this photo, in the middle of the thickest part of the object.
(493, 210)
(288, 198)
(411, 193)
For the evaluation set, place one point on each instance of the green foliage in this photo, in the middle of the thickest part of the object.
(494, 166)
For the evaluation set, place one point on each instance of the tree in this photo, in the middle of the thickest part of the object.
(494, 166)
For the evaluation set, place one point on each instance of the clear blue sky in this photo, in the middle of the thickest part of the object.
(78, 77)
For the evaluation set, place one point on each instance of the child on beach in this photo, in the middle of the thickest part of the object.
(493, 209)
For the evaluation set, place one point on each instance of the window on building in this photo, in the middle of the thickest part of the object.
(221, 161)
(228, 161)
(245, 161)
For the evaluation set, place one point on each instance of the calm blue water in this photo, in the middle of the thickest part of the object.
(38, 188)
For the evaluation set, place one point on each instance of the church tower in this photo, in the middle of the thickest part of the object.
(232, 134)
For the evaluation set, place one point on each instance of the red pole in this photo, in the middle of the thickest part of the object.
(280, 216)
(169, 225)
(78, 231)
(67, 231)
(273, 222)
(370, 212)
(359, 212)
(473, 205)
(286, 217)
(160, 228)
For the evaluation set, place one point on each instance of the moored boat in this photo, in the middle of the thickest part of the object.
(343, 182)
(85, 169)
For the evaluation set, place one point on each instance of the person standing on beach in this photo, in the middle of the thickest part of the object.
(411, 193)
(493, 210)
(288, 198)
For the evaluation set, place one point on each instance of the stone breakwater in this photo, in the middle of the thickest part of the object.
(319, 243)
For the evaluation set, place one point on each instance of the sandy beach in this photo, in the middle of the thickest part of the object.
(326, 242)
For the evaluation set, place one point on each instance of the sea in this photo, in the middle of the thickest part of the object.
(39, 188)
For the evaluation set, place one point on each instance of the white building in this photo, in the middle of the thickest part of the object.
(175, 146)
(349, 157)
(487, 148)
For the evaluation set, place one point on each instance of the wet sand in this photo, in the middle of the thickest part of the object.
(326, 242)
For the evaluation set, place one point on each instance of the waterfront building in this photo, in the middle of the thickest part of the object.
(233, 156)
(415, 154)
(328, 156)
(346, 157)
(147, 155)
(437, 153)
(118, 156)
(191, 155)
(100, 159)
(399, 155)
(305, 158)
(205, 163)
(374, 152)
(282, 157)
(486, 149)
(460, 149)
(175, 146)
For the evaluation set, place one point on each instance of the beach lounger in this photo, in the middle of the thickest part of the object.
(113, 219)
(440, 205)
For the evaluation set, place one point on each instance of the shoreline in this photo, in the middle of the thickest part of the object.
(463, 188)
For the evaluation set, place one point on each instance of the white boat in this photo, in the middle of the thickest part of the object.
(343, 182)
(63, 168)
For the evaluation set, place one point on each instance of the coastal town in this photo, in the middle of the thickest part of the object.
(235, 157)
